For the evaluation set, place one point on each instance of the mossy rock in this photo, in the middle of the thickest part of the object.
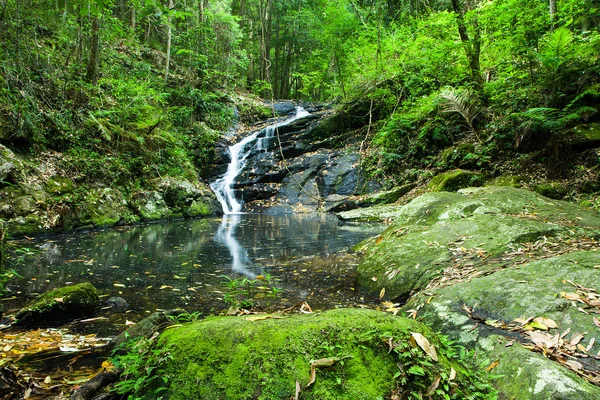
(100, 207)
(430, 232)
(528, 290)
(554, 190)
(149, 205)
(584, 137)
(389, 196)
(60, 306)
(515, 181)
(453, 180)
(239, 358)
(59, 185)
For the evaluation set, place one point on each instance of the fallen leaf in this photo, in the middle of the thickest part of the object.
(492, 366)
(575, 339)
(544, 340)
(381, 293)
(574, 365)
(119, 285)
(434, 385)
(129, 323)
(547, 322)
(452, 374)
(537, 325)
(48, 380)
(596, 321)
(425, 345)
(59, 299)
(590, 344)
(262, 317)
(298, 390)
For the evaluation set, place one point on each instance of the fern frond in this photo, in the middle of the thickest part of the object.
(556, 44)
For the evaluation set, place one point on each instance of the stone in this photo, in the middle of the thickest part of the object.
(9, 165)
(554, 190)
(117, 304)
(149, 205)
(453, 180)
(148, 326)
(490, 220)
(266, 358)
(584, 137)
(529, 290)
(60, 306)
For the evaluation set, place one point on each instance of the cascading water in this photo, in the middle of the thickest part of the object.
(223, 187)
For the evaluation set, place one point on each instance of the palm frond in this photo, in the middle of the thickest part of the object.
(557, 42)
(462, 102)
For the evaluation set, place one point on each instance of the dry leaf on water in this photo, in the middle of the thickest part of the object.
(425, 345)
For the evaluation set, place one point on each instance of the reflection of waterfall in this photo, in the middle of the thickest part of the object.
(226, 235)
(223, 187)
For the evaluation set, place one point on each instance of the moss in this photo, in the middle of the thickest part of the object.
(515, 181)
(585, 136)
(200, 208)
(59, 185)
(230, 357)
(389, 196)
(60, 305)
(553, 190)
(453, 180)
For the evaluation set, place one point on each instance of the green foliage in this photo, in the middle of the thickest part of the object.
(242, 292)
(143, 367)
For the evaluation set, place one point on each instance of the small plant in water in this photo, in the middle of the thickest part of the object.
(241, 292)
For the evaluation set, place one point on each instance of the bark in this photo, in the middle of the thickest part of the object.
(97, 383)
(169, 36)
(472, 47)
(552, 10)
(93, 62)
(132, 19)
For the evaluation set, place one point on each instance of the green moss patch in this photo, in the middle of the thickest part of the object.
(371, 354)
(453, 180)
(60, 305)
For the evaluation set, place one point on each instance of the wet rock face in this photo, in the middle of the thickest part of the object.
(301, 170)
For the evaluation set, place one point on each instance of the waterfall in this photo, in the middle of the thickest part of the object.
(223, 187)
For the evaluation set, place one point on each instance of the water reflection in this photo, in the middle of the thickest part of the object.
(226, 235)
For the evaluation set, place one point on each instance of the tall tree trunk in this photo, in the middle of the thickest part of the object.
(552, 10)
(169, 35)
(93, 62)
(132, 19)
(472, 47)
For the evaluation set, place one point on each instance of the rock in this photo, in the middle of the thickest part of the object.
(488, 221)
(267, 358)
(466, 263)
(59, 306)
(59, 185)
(344, 203)
(100, 207)
(584, 137)
(153, 323)
(9, 165)
(117, 304)
(149, 205)
(528, 290)
(283, 108)
(554, 190)
(515, 181)
(188, 199)
(453, 180)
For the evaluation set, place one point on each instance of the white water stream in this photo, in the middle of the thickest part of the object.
(223, 187)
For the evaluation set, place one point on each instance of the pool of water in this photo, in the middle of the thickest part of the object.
(183, 263)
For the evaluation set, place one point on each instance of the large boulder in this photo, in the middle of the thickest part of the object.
(479, 313)
(9, 165)
(354, 354)
(482, 224)
(189, 199)
(451, 181)
(471, 263)
(59, 306)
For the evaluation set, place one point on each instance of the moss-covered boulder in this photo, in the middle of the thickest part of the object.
(430, 233)
(359, 354)
(554, 190)
(60, 306)
(584, 137)
(515, 181)
(149, 205)
(543, 288)
(453, 180)
(187, 199)
(100, 207)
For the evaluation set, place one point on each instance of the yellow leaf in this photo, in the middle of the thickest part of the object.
(492, 366)
(452, 374)
(546, 321)
(118, 285)
(48, 380)
(381, 293)
(425, 345)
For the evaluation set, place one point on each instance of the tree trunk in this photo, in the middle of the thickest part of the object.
(92, 66)
(472, 48)
(552, 10)
(169, 35)
(132, 21)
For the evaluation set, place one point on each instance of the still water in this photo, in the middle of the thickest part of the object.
(182, 263)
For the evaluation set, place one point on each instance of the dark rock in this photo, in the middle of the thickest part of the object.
(60, 306)
(584, 137)
(117, 304)
(283, 108)
(153, 323)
